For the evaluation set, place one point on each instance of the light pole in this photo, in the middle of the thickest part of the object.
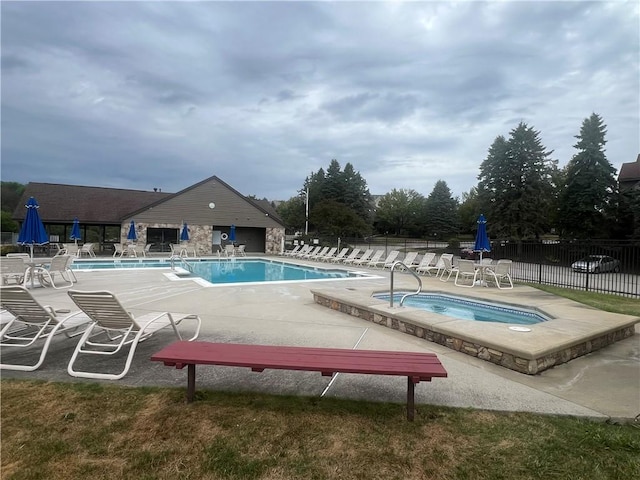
(306, 212)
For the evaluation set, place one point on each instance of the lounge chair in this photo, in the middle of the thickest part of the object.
(69, 249)
(338, 257)
(323, 251)
(88, 249)
(500, 272)
(375, 260)
(388, 262)
(447, 267)
(425, 263)
(13, 269)
(241, 250)
(364, 258)
(410, 259)
(32, 322)
(466, 270)
(290, 253)
(59, 265)
(311, 253)
(352, 256)
(117, 329)
(118, 250)
(327, 256)
(304, 250)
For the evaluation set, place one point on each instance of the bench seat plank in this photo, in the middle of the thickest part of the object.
(415, 366)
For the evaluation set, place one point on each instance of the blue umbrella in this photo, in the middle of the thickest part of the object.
(482, 239)
(232, 234)
(184, 235)
(32, 231)
(132, 232)
(75, 231)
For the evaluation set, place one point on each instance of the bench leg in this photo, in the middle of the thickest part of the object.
(191, 381)
(410, 399)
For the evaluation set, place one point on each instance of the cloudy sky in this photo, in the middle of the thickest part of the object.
(165, 94)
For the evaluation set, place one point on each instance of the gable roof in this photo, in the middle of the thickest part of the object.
(630, 172)
(99, 205)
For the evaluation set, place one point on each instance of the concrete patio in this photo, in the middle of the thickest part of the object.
(601, 385)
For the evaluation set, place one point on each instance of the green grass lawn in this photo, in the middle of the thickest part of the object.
(99, 431)
(86, 430)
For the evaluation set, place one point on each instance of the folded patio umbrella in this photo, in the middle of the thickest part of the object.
(482, 239)
(132, 232)
(32, 231)
(75, 231)
(184, 235)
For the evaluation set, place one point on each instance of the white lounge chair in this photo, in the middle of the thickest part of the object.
(290, 253)
(88, 249)
(375, 259)
(339, 256)
(13, 269)
(61, 265)
(303, 251)
(311, 253)
(328, 255)
(364, 258)
(447, 267)
(410, 259)
(425, 263)
(500, 272)
(352, 256)
(118, 250)
(241, 250)
(388, 262)
(32, 322)
(117, 329)
(466, 270)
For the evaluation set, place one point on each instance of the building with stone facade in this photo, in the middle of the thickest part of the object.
(209, 208)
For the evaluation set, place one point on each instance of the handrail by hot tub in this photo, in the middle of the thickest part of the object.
(393, 267)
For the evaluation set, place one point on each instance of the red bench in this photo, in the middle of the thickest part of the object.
(415, 366)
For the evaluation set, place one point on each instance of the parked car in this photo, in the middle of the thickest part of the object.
(596, 264)
(467, 253)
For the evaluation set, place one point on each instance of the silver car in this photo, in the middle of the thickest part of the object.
(596, 264)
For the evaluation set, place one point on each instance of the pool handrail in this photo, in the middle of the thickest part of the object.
(393, 267)
(182, 260)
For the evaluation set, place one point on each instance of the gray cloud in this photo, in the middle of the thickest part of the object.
(145, 94)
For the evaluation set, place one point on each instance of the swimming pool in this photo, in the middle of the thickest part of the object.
(465, 309)
(224, 271)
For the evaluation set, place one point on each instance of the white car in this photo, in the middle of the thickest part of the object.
(596, 264)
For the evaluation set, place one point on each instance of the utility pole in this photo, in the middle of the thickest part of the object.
(306, 213)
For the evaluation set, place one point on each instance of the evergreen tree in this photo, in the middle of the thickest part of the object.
(587, 205)
(441, 212)
(516, 185)
(347, 188)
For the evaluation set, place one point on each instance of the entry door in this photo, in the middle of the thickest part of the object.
(216, 239)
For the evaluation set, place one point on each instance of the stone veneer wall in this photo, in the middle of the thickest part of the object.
(200, 236)
(274, 241)
(522, 365)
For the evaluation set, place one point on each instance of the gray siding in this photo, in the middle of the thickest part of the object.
(192, 206)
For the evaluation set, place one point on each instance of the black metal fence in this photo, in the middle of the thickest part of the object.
(542, 262)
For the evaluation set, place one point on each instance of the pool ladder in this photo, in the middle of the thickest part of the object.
(186, 264)
(393, 267)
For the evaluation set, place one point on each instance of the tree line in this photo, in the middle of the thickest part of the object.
(520, 190)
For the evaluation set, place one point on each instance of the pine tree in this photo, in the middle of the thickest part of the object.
(587, 200)
(516, 185)
(441, 212)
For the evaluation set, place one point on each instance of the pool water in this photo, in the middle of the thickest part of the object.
(228, 270)
(464, 309)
